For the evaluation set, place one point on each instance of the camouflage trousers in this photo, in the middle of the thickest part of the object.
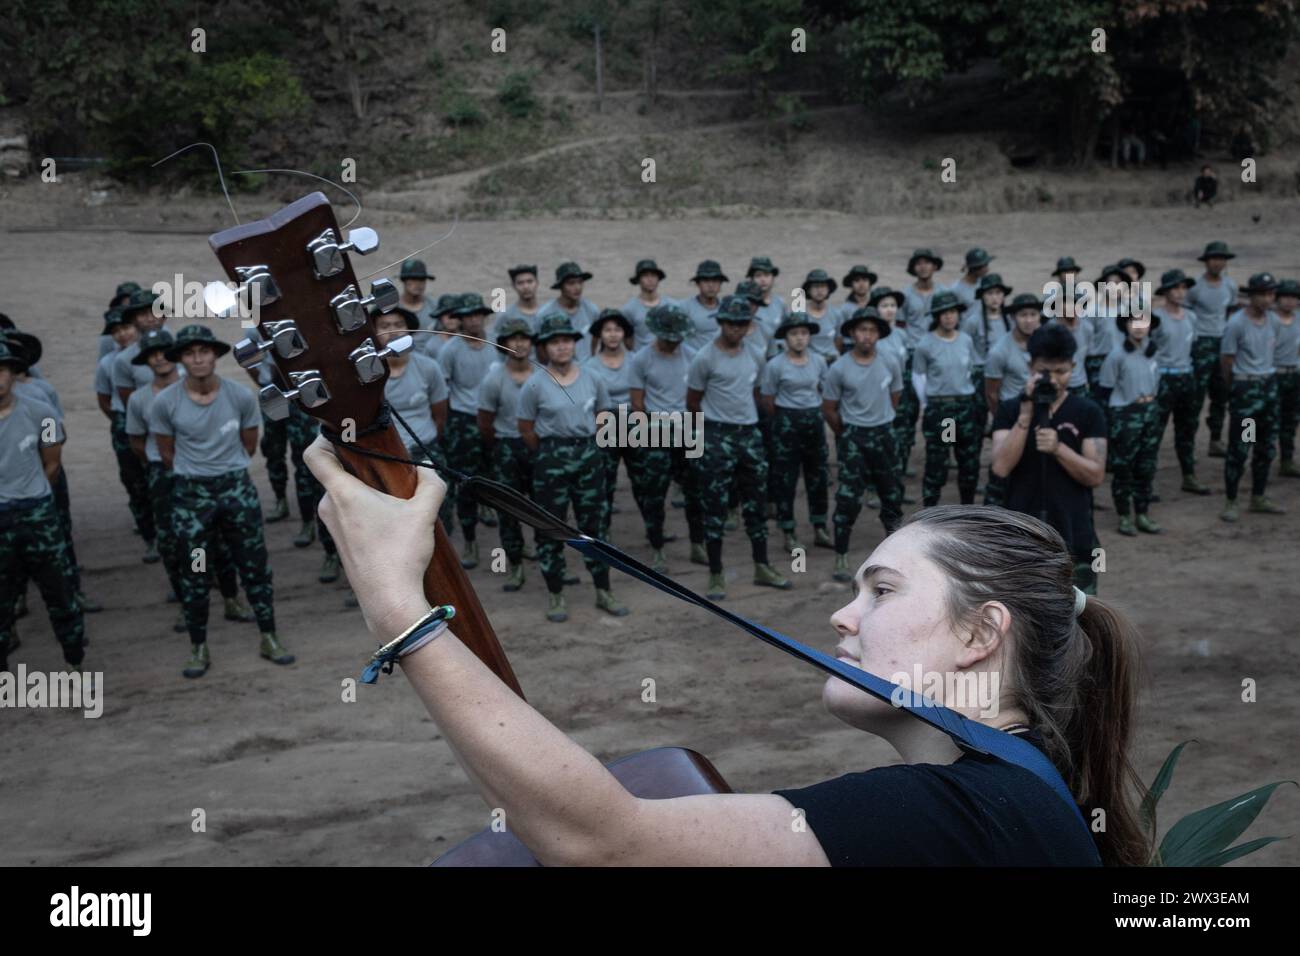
(512, 464)
(611, 456)
(866, 459)
(1177, 397)
(1288, 409)
(130, 471)
(463, 446)
(224, 507)
(950, 423)
(1210, 380)
(1083, 391)
(652, 472)
(979, 400)
(569, 471)
(733, 454)
(905, 417)
(32, 546)
(160, 500)
(799, 443)
(1134, 443)
(1256, 400)
(294, 433)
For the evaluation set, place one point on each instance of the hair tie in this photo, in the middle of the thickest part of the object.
(1080, 602)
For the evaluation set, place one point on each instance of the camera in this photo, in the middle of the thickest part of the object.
(1044, 391)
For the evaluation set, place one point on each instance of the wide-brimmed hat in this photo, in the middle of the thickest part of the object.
(1261, 282)
(11, 358)
(471, 303)
(414, 269)
(1066, 264)
(819, 275)
(152, 341)
(734, 308)
(1122, 321)
(669, 323)
(709, 269)
(1288, 287)
(140, 301)
(556, 325)
(991, 281)
(923, 254)
(646, 265)
(195, 335)
(797, 320)
(867, 313)
(1130, 261)
(859, 272)
(882, 292)
(1216, 249)
(123, 291)
(748, 289)
(1173, 277)
(566, 271)
(410, 318)
(512, 326)
(761, 264)
(611, 315)
(1025, 300)
(516, 271)
(112, 319)
(24, 344)
(1112, 270)
(977, 258)
(447, 302)
(943, 301)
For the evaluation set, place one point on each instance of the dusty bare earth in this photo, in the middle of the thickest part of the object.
(288, 773)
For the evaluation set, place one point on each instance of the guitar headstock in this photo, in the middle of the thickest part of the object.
(314, 322)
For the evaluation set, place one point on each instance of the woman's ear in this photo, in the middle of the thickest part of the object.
(991, 630)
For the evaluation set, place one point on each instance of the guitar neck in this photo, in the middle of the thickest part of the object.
(445, 581)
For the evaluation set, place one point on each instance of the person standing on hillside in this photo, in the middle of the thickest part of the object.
(986, 321)
(859, 281)
(771, 311)
(445, 325)
(1127, 383)
(523, 279)
(612, 338)
(1006, 370)
(125, 379)
(1213, 299)
(913, 322)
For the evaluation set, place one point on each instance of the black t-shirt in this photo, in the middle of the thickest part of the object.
(1068, 503)
(976, 811)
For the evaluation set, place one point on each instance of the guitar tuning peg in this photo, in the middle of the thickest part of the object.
(369, 363)
(274, 402)
(308, 388)
(285, 338)
(350, 309)
(256, 288)
(327, 252)
(383, 296)
(363, 240)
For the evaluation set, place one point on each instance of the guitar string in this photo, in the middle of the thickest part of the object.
(496, 345)
(299, 172)
(217, 160)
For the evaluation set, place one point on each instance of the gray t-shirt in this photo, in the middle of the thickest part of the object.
(1286, 353)
(106, 345)
(1009, 362)
(580, 319)
(617, 380)
(1129, 375)
(499, 395)
(563, 411)
(706, 326)
(1174, 339)
(727, 383)
(946, 365)
(104, 381)
(413, 393)
(965, 291)
(915, 314)
(137, 420)
(22, 436)
(1083, 333)
(636, 312)
(823, 342)
(1212, 304)
(661, 377)
(126, 375)
(1252, 345)
(465, 367)
(41, 390)
(863, 391)
(207, 436)
(769, 316)
(793, 385)
(984, 334)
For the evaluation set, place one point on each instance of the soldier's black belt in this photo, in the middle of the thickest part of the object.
(19, 505)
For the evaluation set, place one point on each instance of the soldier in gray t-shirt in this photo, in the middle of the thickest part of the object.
(1176, 394)
(1127, 382)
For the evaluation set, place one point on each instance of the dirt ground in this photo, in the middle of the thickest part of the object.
(287, 773)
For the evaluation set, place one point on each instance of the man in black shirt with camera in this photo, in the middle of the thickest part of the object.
(1050, 447)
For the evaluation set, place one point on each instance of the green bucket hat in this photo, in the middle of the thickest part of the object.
(512, 326)
(471, 303)
(1112, 270)
(1288, 287)
(867, 313)
(882, 292)
(12, 359)
(858, 272)
(151, 342)
(748, 289)
(761, 264)
(611, 315)
(977, 258)
(1026, 300)
(646, 265)
(123, 291)
(112, 319)
(943, 301)
(1066, 264)
(555, 325)
(735, 309)
(992, 281)
(517, 271)
(669, 323)
(923, 254)
(1130, 261)
(819, 275)
(1261, 282)
(1217, 249)
(797, 320)
(140, 301)
(709, 269)
(195, 335)
(1173, 277)
(23, 344)
(568, 270)
(414, 269)
(446, 303)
